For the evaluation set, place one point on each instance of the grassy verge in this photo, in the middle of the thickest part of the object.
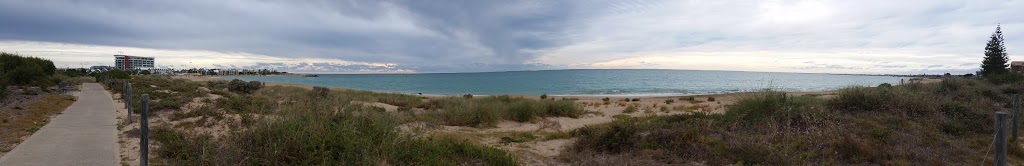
(948, 123)
(21, 121)
(164, 93)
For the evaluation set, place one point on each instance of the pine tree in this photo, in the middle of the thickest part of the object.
(995, 55)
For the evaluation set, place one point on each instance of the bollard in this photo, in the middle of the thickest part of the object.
(144, 133)
(1015, 120)
(128, 103)
(1000, 144)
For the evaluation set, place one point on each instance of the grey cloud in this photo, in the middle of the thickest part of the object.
(402, 32)
(459, 36)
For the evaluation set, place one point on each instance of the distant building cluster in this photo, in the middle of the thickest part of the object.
(1017, 66)
(146, 65)
(127, 62)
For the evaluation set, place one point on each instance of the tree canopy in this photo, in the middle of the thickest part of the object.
(995, 55)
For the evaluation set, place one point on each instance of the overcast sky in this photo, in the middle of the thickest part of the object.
(820, 36)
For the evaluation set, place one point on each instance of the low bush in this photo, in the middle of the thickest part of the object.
(239, 86)
(630, 109)
(217, 84)
(245, 104)
(487, 111)
(924, 124)
(21, 70)
(310, 130)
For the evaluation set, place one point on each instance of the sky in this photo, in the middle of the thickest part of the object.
(414, 36)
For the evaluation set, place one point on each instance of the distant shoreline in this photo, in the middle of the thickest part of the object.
(584, 96)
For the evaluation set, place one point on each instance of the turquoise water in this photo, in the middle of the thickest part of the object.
(610, 82)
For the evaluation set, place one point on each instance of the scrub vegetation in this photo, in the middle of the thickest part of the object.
(947, 123)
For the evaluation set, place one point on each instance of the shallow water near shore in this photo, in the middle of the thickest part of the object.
(602, 82)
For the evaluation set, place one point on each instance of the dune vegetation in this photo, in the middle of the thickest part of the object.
(295, 126)
(945, 123)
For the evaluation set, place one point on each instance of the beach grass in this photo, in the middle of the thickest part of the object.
(312, 127)
(947, 123)
(488, 111)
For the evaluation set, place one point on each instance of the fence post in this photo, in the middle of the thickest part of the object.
(1000, 144)
(144, 134)
(124, 93)
(1015, 120)
(128, 103)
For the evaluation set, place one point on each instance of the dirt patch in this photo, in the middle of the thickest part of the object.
(24, 117)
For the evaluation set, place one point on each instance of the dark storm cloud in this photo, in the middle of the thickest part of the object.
(415, 33)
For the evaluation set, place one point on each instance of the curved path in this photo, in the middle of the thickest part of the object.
(85, 134)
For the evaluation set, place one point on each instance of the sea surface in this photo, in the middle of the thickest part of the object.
(589, 82)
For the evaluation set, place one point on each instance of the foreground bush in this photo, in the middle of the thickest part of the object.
(324, 131)
(239, 86)
(19, 70)
(946, 123)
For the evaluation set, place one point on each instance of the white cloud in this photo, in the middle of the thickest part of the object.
(848, 36)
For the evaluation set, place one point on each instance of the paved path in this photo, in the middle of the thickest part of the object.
(85, 134)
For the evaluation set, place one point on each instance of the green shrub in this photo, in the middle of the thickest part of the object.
(861, 99)
(3, 90)
(239, 86)
(217, 84)
(952, 128)
(486, 111)
(630, 109)
(244, 104)
(606, 99)
(885, 85)
(635, 99)
(468, 96)
(524, 111)
(185, 148)
(366, 138)
(320, 91)
(1004, 78)
(711, 98)
(20, 70)
(563, 108)
(543, 96)
(669, 101)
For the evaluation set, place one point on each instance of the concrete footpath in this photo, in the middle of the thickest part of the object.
(85, 134)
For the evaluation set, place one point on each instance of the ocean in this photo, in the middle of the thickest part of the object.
(585, 82)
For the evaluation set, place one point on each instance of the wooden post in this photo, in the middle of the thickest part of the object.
(128, 103)
(1000, 144)
(1015, 120)
(144, 134)
(124, 93)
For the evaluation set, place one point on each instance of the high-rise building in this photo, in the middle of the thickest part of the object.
(126, 62)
